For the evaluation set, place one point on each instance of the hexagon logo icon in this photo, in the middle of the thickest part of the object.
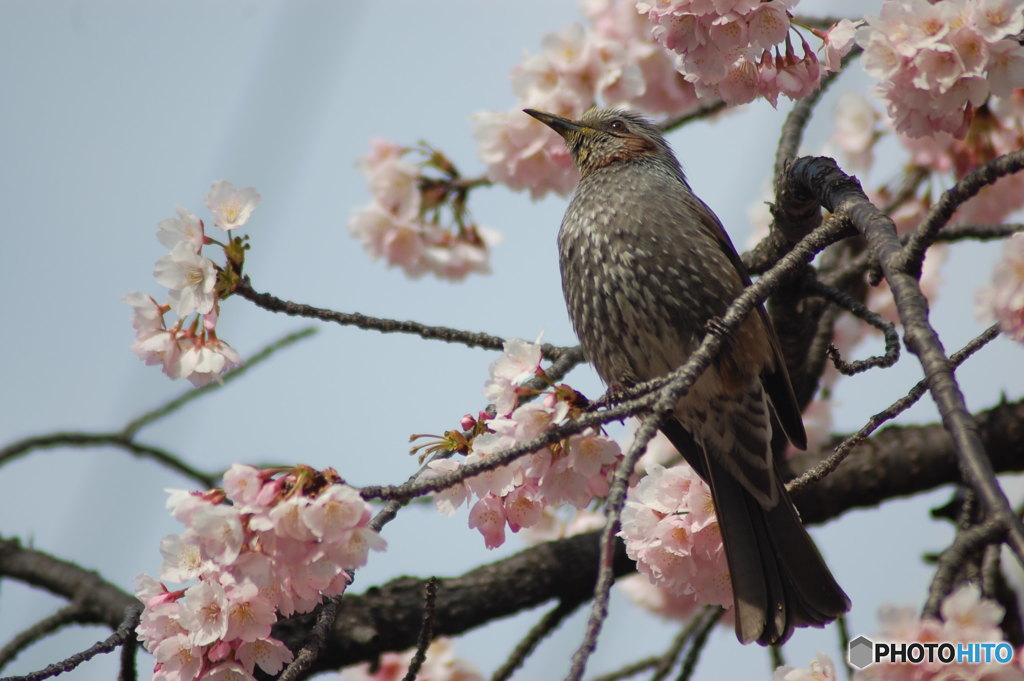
(861, 652)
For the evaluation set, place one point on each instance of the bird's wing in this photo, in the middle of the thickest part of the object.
(775, 377)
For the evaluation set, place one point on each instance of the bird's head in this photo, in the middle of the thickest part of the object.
(603, 136)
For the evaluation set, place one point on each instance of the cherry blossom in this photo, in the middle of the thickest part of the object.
(440, 664)
(246, 562)
(232, 206)
(669, 528)
(189, 347)
(613, 60)
(191, 278)
(520, 495)
(741, 50)
(402, 224)
(856, 129)
(822, 669)
(1003, 299)
(933, 59)
(518, 363)
(186, 227)
(967, 616)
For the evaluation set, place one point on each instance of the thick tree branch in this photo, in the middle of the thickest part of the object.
(835, 191)
(897, 461)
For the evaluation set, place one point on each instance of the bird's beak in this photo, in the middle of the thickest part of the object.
(563, 126)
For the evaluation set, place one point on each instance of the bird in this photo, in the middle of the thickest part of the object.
(646, 267)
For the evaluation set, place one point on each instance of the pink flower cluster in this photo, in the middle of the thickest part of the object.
(966, 617)
(613, 60)
(287, 539)
(441, 665)
(189, 347)
(670, 530)
(574, 471)
(732, 50)
(938, 62)
(822, 669)
(401, 224)
(1003, 299)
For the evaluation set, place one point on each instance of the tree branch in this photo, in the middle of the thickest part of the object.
(449, 335)
(836, 191)
(897, 461)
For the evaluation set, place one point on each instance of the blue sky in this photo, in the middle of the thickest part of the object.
(112, 113)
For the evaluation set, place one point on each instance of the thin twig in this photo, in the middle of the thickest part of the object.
(844, 448)
(972, 183)
(125, 438)
(978, 232)
(705, 111)
(268, 351)
(547, 624)
(834, 190)
(680, 379)
(326, 613)
(843, 630)
(449, 335)
(888, 329)
(966, 545)
(697, 647)
(129, 649)
(124, 632)
(800, 114)
(426, 630)
(685, 635)
(614, 502)
(69, 614)
(74, 439)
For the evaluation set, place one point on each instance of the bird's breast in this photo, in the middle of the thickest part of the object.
(636, 280)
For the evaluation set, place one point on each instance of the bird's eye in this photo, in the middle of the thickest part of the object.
(617, 125)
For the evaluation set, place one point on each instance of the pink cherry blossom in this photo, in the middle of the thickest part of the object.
(242, 484)
(179, 658)
(402, 226)
(822, 669)
(250, 614)
(449, 499)
(856, 129)
(232, 206)
(203, 361)
(657, 599)
(733, 50)
(219, 528)
(229, 671)
(838, 42)
(190, 277)
(933, 60)
(336, 511)
(247, 571)
(441, 664)
(668, 528)
(522, 154)
(268, 654)
(204, 612)
(183, 558)
(1003, 299)
(394, 182)
(147, 314)
(184, 228)
(488, 516)
(967, 617)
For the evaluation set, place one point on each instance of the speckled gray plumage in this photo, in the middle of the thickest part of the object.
(645, 265)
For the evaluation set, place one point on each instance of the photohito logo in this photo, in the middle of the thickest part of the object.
(864, 652)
